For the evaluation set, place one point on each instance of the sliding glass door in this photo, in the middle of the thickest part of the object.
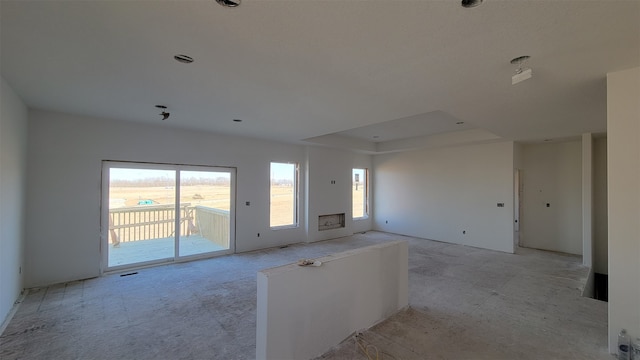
(155, 213)
(140, 216)
(205, 197)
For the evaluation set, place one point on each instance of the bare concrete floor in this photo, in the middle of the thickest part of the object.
(466, 303)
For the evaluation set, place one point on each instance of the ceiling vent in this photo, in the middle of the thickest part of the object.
(470, 3)
(229, 3)
(185, 59)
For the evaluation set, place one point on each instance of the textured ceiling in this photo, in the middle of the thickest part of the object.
(293, 70)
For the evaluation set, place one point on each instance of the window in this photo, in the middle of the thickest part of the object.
(360, 193)
(284, 195)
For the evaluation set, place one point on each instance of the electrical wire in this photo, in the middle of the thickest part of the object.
(364, 347)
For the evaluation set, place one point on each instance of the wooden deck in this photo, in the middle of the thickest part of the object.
(132, 252)
(144, 233)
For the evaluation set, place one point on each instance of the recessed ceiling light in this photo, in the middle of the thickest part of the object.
(237, 120)
(460, 123)
(521, 74)
(185, 59)
(520, 59)
(229, 3)
(470, 3)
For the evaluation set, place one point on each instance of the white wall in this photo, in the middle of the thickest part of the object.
(303, 311)
(63, 204)
(600, 218)
(13, 154)
(552, 173)
(439, 193)
(623, 161)
(324, 198)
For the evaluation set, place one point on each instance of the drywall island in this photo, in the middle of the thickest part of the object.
(304, 311)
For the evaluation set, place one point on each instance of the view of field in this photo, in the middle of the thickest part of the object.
(216, 196)
(359, 206)
(359, 192)
(137, 188)
(282, 203)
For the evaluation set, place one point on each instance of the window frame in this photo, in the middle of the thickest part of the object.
(296, 195)
(365, 200)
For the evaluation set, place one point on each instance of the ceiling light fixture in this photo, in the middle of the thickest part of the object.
(165, 115)
(185, 59)
(521, 74)
(229, 3)
(470, 3)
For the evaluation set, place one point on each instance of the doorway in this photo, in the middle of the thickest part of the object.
(158, 213)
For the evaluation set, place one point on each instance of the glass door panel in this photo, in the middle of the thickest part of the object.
(141, 215)
(205, 209)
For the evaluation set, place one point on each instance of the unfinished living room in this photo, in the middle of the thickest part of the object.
(227, 179)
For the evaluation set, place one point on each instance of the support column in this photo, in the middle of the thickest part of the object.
(623, 184)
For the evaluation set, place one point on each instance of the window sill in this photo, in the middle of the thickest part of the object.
(284, 227)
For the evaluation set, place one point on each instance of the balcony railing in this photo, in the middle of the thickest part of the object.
(159, 221)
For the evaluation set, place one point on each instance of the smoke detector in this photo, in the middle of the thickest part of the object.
(521, 74)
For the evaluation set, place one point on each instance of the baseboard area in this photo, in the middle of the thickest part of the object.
(588, 289)
(13, 311)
